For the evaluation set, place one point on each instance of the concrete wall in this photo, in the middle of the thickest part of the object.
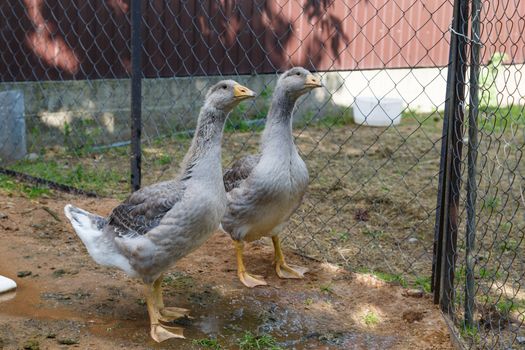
(97, 111)
(12, 132)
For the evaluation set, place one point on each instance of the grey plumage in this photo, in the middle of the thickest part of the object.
(161, 223)
(144, 209)
(239, 171)
(264, 190)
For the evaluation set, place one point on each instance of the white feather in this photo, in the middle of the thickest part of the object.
(101, 247)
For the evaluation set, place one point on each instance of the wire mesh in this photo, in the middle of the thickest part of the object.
(371, 204)
(487, 305)
(366, 207)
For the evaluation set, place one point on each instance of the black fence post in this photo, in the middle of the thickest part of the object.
(136, 93)
(445, 245)
(442, 181)
(472, 157)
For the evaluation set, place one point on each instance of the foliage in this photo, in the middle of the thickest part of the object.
(238, 119)
(371, 319)
(250, 341)
(208, 343)
(80, 137)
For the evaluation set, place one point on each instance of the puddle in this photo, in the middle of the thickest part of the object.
(27, 302)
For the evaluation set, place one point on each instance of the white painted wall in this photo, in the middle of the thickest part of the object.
(421, 89)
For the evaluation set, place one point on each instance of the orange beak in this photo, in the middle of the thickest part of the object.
(242, 92)
(312, 82)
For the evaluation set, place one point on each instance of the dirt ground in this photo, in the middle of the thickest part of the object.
(69, 301)
(370, 204)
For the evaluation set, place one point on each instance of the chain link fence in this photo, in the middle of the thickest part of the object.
(480, 261)
(67, 69)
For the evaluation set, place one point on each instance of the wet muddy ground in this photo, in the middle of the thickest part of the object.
(66, 301)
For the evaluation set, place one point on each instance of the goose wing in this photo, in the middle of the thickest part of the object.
(144, 209)
(240, 171)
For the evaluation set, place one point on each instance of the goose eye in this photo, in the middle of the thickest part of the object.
(298, 73)
(224, 87)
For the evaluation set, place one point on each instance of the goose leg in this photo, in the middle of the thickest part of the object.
(281, 267)
(248, 280)
(167, 314)
(159, 332)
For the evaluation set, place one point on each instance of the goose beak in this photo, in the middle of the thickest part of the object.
(312, 82)
(242, 92)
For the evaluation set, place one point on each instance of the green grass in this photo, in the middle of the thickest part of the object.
(371, 319)
(326, 288)
(267, 93)
(413, 117)
(337, 120)
(333, 120)
(423, 282)
(99, 180)
(164, 159)
(505, 227)
(500, 118)
(243, 126)
(80, 137)
(510, 245)
(342, 236)
(240, 120)
(489, 274)
(491, 203)
(207, 343)
(387, 277)
(506, 305)
(250, 341)
(12, 186)
(469, 332)
(373, 233)
(177, 280)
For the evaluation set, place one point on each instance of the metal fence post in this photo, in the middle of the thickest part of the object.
(450, 177)
(136, 93)
(442, 181)
(472, 157)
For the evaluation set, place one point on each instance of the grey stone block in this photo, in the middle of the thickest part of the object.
(12, 126)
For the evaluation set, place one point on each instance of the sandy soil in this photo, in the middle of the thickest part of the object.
(69, 301)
